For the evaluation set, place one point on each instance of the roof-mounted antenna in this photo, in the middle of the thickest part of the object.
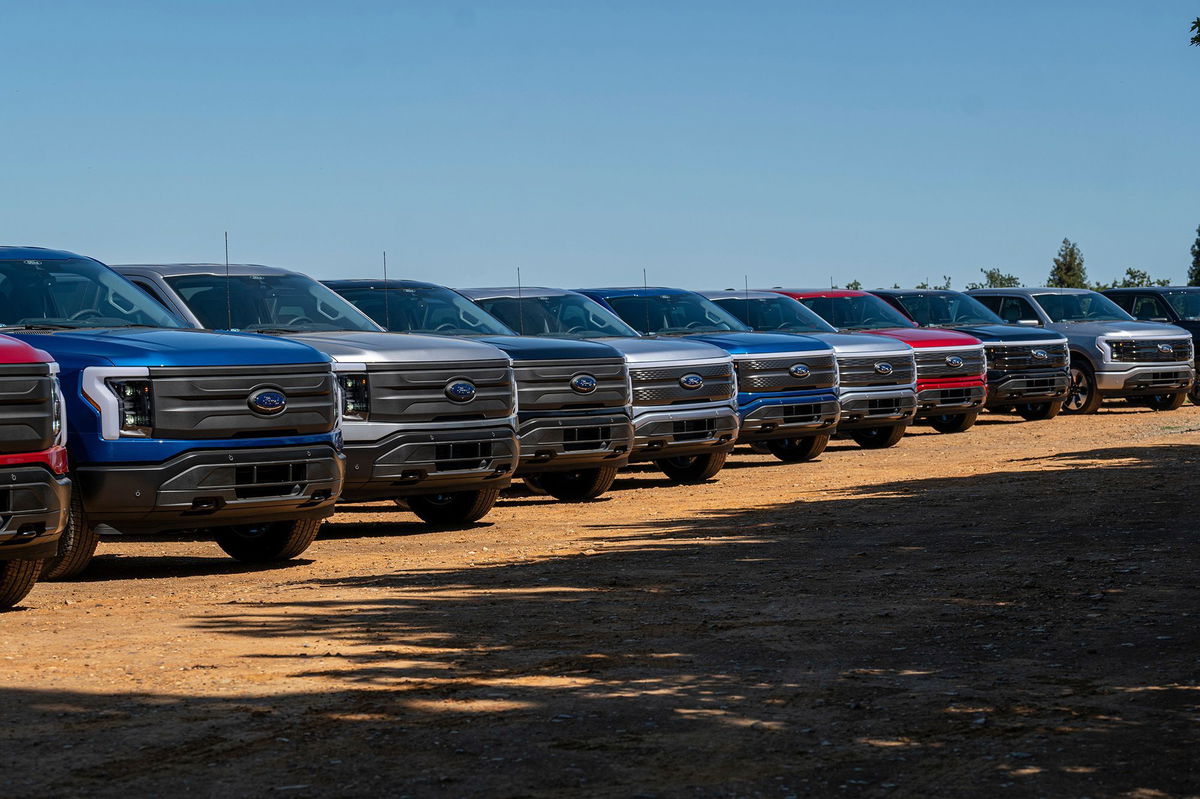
(228, 296)
(387, 306)
(646, 299)
(520, 306)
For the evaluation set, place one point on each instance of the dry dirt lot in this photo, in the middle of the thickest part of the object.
(1010, 612)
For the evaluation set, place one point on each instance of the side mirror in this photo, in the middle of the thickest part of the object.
(1029, 323)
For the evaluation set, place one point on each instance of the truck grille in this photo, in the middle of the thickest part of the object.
(664, 385)
(26, 407)
(759, 375)
(941, 363)
(420, 393)
(546, 385)
(214, 401)
(1016, 357)
(1151, 350)
(883, 370)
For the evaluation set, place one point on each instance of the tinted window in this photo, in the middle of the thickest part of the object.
(74, 293)
(557, 315)
(425, 309)
(1087, 307)
(946, 309)
(1147, 306)
(1017, 309)
(866, 312)
(1185, 303)
(775, 313)
(266, 302)
(675, 314)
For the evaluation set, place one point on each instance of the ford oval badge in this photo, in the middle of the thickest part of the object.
(884, 368)
(799, 371)
(267, 401)
(583, 384)
(691, 382)
(1040, 355)
(954, 362)
(461, 391)
(1165, 349)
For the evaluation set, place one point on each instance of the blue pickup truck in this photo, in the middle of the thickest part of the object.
(172, 429)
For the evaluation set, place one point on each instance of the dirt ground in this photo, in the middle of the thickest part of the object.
(1011, 611)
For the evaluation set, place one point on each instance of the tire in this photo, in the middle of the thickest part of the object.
(879, 437)
(454, 509)
(1194, 393)
(798, 450)
(578, 485)
(954, 422)
(16, 580)
(692, 468)
(1082, 396)
(1167, 402)
(1039, 411)
(76, 546)
(265, 543)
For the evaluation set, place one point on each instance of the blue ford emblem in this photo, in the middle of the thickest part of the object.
(884, 368)
(267, 401)
(799, 371)
(691, 382)
(583, 384)
(1165, 349)
(954, 362)
(1040, 355)
(461, 391)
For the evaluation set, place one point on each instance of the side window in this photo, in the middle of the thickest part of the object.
(150, 289)
(1016, 309)
(1124, 301)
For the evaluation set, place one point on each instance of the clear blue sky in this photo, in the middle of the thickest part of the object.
(585, 141)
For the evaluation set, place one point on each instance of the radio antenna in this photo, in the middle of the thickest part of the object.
(646, 299)
(387, 306)
(228, 296)
(520, 306)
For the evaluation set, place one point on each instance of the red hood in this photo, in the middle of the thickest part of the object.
(921, 337)
(13, 351)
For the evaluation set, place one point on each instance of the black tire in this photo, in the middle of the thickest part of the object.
(879, 437)
(76, 546)
(16, 580)
(1082, 396)
(692, 468)
(1167, 402)
(954, 422)
(578, 485)
(798, 450)
(1194, 393)
(1039, 411)
(455, 508)
(265, 543)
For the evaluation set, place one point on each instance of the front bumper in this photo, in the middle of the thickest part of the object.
(567, 441)
(943, 397)
(795, 416)
(213, 488)
(34, 503)
(431, 462)
(1142, 380)
(671, 433)
(875, 408)
(1005, 388)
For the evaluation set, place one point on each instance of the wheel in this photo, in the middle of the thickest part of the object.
(263, 543)
(76, 546)
(16, 580)
(692, 468)
(879, 437)
(1082, 396)
(954, 422)
(1194, 393)
(455, 508)
(578, 485)
(1167, 402)
(797, 450)
(1038, 411)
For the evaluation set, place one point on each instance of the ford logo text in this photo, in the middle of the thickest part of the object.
(267, 401)
(583, 384)
(461, 391)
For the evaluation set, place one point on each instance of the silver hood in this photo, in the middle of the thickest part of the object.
(863, 344)
(1120, 328)
(665, 351)
(350, 346)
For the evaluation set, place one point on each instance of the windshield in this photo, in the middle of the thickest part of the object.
(1089, 307)
(675, 315)
(425, 309)
(1185, 303)
(569, 315)
(946, 309)
(266, 303)
(775, 313)
(865, 312)
(78, 292)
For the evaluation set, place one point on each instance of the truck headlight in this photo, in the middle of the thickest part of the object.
(356, 397)
(135, 403)
(58, 413)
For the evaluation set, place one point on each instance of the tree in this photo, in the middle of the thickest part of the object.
(854, 284)
(943, 286)
(1134, 278)
(1068, 271)
(1196, 31)
(1194, 269)
(995, 279)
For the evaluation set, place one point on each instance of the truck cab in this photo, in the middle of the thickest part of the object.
(1028, 370)
(877, 377)
(1167, 305)
(787, 384)
(429, 422)
(573, 397)
(171, 429)
(35, 493)
(951, 374)
(1112, 354)
(684, 412)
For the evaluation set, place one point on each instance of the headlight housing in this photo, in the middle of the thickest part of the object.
(356, 396)
(135, 406)
(58, 411)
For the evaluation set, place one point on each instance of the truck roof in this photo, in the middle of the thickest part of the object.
(8, 253)
(175, 270)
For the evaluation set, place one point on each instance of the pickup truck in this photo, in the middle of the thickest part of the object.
(787, 384)
(1112, 354)
(1028, 370)
(429, 422)
(877, 377)
(171, 429)
(684, 413)
(951, 373)
(1168, 305)
(34, 490)
(573, 397)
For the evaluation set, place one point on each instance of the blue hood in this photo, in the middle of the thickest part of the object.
(1010, 334)
(758, 343)
(530, 348)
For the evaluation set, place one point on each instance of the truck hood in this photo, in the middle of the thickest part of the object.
(862, 344)
(1009, 334)
(758, 343)
(647, 350)
(922, 337)
(166, 347)
(1130, 329)
(349, 346)
(13, 351)
(531, 348)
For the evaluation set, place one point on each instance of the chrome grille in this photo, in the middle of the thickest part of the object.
(662, 385)
(937, 363)
(759, 375)
(868, 371)
(1016, 357)
(418, 393)
(546, 385)
(1147, 350)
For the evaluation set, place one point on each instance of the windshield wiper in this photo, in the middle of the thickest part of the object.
(39, 326)
(272, 331)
